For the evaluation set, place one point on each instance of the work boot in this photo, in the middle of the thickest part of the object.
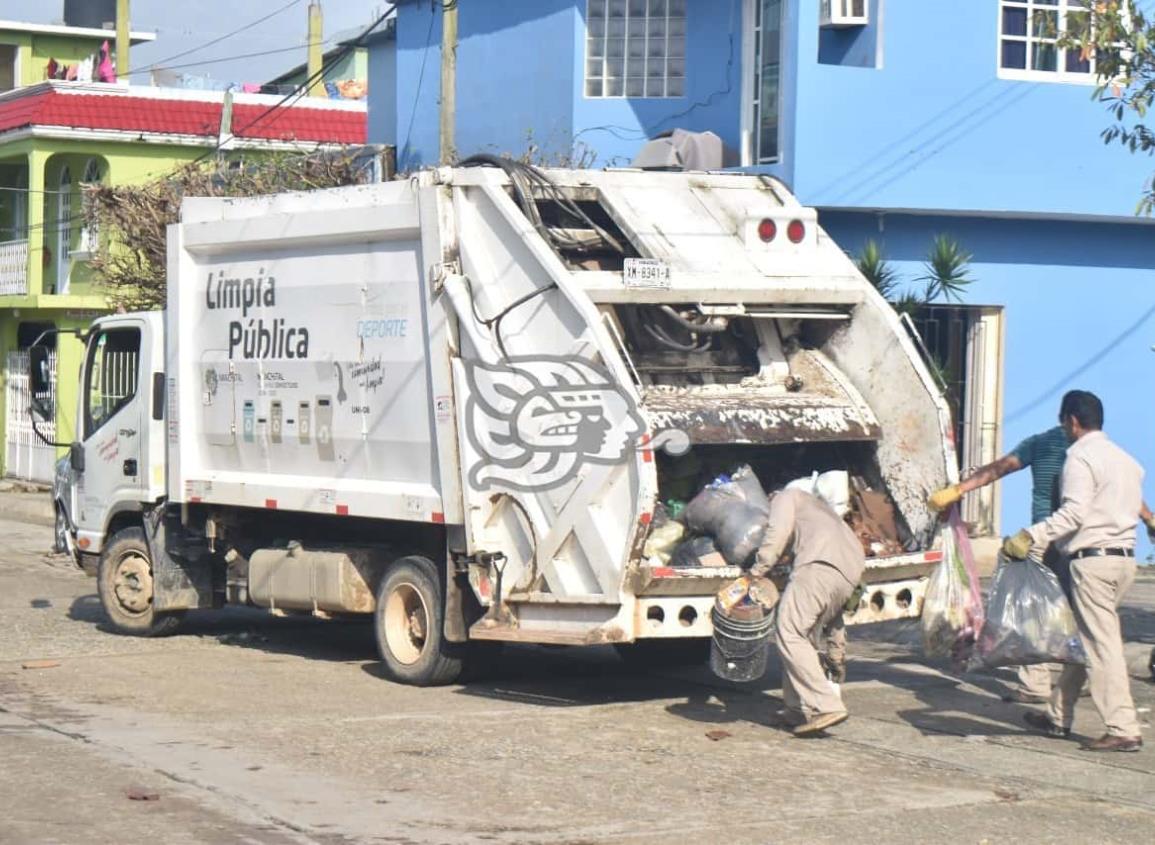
(787, 719)
(820, 722)
(1043, 724)
(1107, 742)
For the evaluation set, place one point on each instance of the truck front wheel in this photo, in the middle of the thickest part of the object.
(409, 626)
(124, 581)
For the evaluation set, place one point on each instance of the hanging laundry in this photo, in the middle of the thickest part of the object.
(50, 69)
(84, 70)
(353, 89)
(331, 90)
(251, 88)
(105, 71)
(70, 72)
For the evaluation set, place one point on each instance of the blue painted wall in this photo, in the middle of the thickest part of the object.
(935, 128)
(521, 76)
(615, 128)
(1079, 304)
(383, 91)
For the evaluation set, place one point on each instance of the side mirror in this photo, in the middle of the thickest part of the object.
(40, 382)
(76, 457)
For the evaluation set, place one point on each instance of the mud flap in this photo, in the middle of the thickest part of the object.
(179, 582)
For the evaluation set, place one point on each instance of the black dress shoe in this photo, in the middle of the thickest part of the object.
(1045, 726)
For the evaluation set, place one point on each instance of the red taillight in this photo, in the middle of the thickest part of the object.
(796, 231)
(767, 230)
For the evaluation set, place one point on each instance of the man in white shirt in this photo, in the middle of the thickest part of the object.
(1102, 498)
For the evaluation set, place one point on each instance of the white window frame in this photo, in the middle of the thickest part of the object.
(63, 230)
(751, 89)
(17, 81)
(1060, 74)
(88, 231)
(634, 13)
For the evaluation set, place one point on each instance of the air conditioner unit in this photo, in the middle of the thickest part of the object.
(838, 14)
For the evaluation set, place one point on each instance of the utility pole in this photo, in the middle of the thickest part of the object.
(123, 41)
(316, 55)
(448, 80)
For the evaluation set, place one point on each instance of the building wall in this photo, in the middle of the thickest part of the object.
(514, 78)
(1079, 314)
(382, 76)
(933, 127)
(615, 128)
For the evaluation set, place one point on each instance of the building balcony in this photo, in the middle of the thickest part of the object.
(14, 268)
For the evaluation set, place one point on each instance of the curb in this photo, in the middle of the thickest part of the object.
(35, 508)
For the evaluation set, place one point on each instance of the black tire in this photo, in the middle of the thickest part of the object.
(658, 654)
(409, 626)
(124, 581)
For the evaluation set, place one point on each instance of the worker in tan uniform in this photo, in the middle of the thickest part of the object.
(1102, 498)
(828, 563)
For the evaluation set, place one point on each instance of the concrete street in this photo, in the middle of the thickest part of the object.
(247, 728)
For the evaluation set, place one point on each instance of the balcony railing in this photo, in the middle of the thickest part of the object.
(13, 268)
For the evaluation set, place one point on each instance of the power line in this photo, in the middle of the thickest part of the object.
(221, 38)
(304, 87)
(205, 62)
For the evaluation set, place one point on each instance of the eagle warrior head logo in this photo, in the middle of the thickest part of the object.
(535, 421)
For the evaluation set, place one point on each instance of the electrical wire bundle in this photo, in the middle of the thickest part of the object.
(700, 332)
(526, 180)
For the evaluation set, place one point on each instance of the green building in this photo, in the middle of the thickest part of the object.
(55, 136)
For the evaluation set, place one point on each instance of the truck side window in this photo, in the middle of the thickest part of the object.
(110, 375)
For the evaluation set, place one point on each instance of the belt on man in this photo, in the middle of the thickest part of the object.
(1115, 552)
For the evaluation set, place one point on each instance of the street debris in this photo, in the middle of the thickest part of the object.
(39, 664)
(138, 794)
(718, 734)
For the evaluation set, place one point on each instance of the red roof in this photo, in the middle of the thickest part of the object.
(125, 112)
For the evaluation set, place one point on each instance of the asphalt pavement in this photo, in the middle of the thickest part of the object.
(249, 728)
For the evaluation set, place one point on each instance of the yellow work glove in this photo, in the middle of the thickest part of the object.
(942, 499)
(1018, 546)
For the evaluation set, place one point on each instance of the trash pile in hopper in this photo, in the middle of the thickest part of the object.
(724, 523)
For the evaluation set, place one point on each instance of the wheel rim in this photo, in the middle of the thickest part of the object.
(406, 623)
(132, 584)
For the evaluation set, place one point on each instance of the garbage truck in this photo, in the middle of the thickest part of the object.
(462, 402)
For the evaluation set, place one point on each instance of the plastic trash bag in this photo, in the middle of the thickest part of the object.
(832, 487)
(952, 611)
(662, 540)
(733, 510)
(693, 552)
(1028, 619)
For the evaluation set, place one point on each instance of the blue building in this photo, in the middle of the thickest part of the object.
(898, 120)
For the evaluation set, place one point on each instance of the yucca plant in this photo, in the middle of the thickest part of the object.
(877, 269)
(947, 269)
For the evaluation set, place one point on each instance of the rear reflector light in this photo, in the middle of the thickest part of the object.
(796, 231)
(767, 230)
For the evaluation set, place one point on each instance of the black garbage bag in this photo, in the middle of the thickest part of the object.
(690, 552)
(733, 510)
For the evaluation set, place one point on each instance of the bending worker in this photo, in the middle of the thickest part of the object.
(1102, 499)
(828, 563)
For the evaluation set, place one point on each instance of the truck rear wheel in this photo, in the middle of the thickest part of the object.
(124, 581)
(408, 623)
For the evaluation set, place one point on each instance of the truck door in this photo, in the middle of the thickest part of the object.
(111, 422)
